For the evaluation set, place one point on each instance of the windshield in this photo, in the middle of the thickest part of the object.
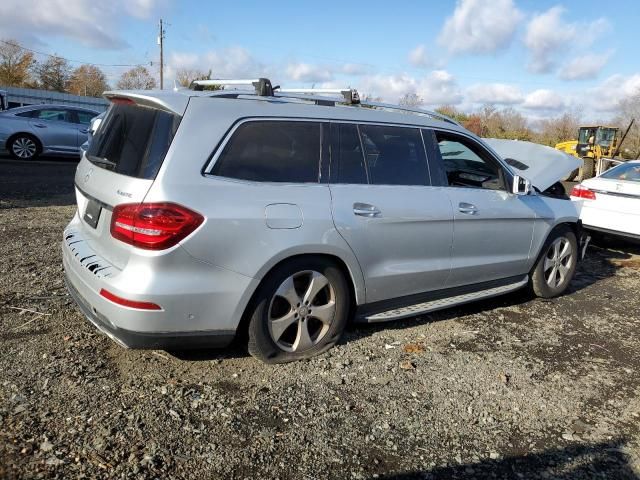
(605, 136)
(133, 140)
(626, 171)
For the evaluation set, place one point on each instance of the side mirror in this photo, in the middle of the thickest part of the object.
(521, 186)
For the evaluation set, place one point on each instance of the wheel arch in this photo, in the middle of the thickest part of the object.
(353, 277)
(572, 224)
(12, 137)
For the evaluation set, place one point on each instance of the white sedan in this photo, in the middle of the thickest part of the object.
(611, 201)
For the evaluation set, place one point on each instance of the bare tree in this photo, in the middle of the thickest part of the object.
(53, 74)
(88, 80)
(137, 78)
(410, 100)
(558, 129)
(15, 64)
(184, 76)
(630, 109)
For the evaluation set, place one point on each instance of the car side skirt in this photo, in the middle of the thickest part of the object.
(412, 305)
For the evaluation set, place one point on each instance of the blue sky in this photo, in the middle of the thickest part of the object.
(541, 57)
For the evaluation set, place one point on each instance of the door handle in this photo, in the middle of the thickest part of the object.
(84, 130)
(366, 210)
(39, 125)
(468, 208)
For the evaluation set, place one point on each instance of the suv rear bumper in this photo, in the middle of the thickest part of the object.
(145, 340)
(201, 305)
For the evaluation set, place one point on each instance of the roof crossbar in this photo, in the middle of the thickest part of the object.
(262, 86)
(349, 95)
(428, 113)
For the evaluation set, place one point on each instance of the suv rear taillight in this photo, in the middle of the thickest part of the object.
(581, 191)
(153, 226)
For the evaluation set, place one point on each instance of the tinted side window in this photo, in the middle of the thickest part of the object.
(28, 113)
(347, 159)
(466, 164)
(395, 155)
(53, 115)
(269, 151)
(84, 118)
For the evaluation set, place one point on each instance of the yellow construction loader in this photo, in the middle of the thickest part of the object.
(594, 143)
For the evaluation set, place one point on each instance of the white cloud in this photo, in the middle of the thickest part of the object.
(308, 73)
(418, 57)
(437, 88)
(480, 26)
(549, 35)
(544, 99)
(494, 93)
(608, 95)
(91, 23)
(585, 66)
(232, 62)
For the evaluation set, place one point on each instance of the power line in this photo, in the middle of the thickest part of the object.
(13, 44)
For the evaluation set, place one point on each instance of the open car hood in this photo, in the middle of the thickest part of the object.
(541, 165)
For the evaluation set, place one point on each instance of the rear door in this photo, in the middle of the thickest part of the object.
(82, 121)
(120, 167)
(56, 128)
(493, 228)
(398, 225)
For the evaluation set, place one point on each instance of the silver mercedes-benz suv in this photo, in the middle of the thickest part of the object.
(282, 215)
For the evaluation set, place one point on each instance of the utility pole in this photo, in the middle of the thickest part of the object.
(161, 43)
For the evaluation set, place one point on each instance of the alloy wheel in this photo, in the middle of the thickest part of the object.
(24, 147)
(301, 311)
(557, 262)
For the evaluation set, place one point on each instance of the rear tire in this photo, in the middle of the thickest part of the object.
(24, 147)
(300, 310)
(556, 264)
(587, 170)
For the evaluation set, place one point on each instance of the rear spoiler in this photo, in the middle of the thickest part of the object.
(167, 101)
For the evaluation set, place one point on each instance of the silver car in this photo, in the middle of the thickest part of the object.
(27, 132)
(280, 216)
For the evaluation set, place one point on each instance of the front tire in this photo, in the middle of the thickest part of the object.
(587, 170)
(556, 265)
(300, 311)
(24, 147)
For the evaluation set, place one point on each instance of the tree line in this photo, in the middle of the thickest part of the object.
(19, 68)
(508, 123)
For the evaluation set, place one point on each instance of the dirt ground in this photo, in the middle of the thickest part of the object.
(512, 387)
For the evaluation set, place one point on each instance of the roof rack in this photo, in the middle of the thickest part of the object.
(262, 86)
(419, 111)
(349, 96)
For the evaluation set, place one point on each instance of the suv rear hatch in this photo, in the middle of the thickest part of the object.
(119, 167)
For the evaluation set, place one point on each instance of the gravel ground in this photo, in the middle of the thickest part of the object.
(512, 387)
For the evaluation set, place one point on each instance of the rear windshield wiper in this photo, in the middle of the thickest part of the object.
(108, 164)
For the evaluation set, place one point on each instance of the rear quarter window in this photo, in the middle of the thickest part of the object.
(272, 151)
(133, 140)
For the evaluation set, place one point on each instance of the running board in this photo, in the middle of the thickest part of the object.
(425, 307)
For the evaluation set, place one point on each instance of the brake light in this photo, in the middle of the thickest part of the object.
(581, 191)
(122, 101)
(128, 303)
(153, 226)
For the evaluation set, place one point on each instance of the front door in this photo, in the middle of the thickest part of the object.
(493, 228)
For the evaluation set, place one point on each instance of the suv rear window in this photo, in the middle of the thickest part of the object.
(133, 140)
(272, 151)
